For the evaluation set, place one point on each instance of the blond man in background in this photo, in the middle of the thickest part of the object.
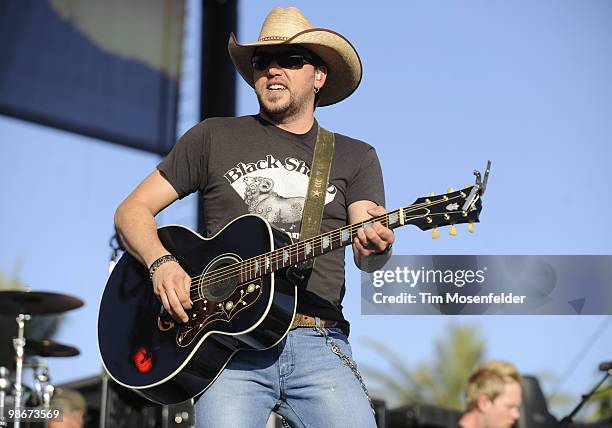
(73, 406)
(492, 396)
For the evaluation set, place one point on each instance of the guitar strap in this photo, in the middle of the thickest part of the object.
(312, 215)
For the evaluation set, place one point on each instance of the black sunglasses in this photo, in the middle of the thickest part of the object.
(290, 60)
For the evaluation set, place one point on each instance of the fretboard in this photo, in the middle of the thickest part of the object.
(314, 247)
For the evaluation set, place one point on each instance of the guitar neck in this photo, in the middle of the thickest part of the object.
(456, 207)
(316, 246)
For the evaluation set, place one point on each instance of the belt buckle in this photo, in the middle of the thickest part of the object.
(303, 320)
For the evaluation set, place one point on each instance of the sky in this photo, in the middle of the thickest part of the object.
(446, 86)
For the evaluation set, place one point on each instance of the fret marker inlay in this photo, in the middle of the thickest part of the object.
(308, 248)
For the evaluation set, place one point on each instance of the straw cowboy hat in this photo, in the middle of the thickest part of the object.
(290, 26)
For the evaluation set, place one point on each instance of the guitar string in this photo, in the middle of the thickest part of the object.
(280, 255)
(331, 235)
(195, 292)
(273, 258)
(384, 217)
(294, 250)
(250, 268)
(250, 265)
(276, 256)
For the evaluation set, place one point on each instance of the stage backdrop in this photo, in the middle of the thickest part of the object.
(109, 70)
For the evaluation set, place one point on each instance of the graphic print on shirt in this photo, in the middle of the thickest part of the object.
(275, 190)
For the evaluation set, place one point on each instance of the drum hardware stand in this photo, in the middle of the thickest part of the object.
(5, 386)
(19, 344)
(23, 304)
(44, 389)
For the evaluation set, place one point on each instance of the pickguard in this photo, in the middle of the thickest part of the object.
(207, 311)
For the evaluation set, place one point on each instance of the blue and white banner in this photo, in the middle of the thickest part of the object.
(107, 69)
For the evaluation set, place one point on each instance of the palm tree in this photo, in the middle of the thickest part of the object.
(439, 382)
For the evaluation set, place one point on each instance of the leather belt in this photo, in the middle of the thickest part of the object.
(302, 320)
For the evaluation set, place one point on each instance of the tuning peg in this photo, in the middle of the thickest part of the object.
(432, 193)
(453, 230)
(466, 186)
(435, 233)
(450, 190)
(471, 227)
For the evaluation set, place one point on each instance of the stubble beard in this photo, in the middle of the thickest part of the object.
(282, 111)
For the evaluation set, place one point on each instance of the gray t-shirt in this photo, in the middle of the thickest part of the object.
(247, 165)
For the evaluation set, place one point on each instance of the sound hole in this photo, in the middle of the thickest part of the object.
(220, 280)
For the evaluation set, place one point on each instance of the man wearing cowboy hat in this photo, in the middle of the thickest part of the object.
(260, 164)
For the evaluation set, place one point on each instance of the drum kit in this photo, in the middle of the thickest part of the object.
(31, 354)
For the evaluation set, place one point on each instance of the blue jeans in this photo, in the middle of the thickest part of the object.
(301, 379)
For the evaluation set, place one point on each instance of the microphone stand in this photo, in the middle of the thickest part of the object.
(566, 421)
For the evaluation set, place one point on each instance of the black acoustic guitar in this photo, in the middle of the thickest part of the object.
(243, 292)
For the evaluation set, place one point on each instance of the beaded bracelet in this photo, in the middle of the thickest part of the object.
(160, 261)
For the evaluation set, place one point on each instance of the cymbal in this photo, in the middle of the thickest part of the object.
(15, 302)
(49, 348)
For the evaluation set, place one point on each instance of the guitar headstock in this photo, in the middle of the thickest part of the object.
(454, 207)
(449, 209)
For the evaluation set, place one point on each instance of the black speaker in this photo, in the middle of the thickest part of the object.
(111, 405)
(534, 409)
(422, 416)
(380, 413)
